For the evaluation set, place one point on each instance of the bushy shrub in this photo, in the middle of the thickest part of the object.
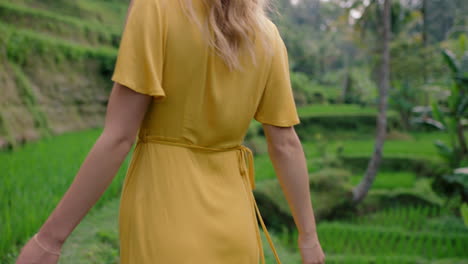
(302, 88)
(329, 191)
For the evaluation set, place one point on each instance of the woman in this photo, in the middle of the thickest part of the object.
(190, 76)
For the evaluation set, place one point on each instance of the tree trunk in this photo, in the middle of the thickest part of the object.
(346, 82)
(425, 40)
(425, 23)
(360, 191)
(318, 19)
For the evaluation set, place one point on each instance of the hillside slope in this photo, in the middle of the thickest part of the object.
(55, 64)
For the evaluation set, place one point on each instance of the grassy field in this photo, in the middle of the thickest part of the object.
(427, 234)
(389, 180)
(34, 179)
(398, 235)
(416, 145)
(27, 199)
(332, 109)
(404, 234)
(58, 159)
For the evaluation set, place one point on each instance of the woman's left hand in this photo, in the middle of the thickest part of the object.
(32, 253)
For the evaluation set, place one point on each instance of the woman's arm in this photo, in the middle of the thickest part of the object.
(125, 112)
(288, 159)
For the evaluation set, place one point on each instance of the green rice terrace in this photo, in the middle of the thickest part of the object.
(56, 60)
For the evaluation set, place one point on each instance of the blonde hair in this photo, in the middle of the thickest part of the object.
(235, 24)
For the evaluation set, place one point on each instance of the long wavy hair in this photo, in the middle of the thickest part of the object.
(236, 24)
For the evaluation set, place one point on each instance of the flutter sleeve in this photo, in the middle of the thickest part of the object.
(139, 64)
(277, 106)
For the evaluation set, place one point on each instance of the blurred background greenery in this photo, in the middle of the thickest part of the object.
(57, 58)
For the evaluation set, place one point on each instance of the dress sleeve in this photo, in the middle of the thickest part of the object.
(140, 59)
(277, 106)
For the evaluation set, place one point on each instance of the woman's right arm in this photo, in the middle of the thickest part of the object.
(288, 159)
(125, 112)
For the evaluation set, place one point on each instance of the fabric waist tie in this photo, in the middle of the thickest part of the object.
(244, 154)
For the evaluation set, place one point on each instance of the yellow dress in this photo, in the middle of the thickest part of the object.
(187, 196)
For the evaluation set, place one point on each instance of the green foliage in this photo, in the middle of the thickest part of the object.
(464, 213)
(451, 61)
(414, 63)
(58, 25)
(402, 157)
(353, 93)
(390, 179)
(365, 87)
(395, 162)
(26, 93)
(329, 190)
(453, 183)
(385, 238)
(334, 117)
(326, 158)
(95, 239)
(307, 91)
(23, 45)
(421, 193)
(107, 14)
(413, 217)
(328, 179)
(450, 155)
(335, 109)
(450, 117)
(457, 109)
(4, 130)
(414, 153)
(30, 193)
(315, 122)
(301, 85)
(255, 129)
(403, 99)
(383, 241)
(257, 144)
